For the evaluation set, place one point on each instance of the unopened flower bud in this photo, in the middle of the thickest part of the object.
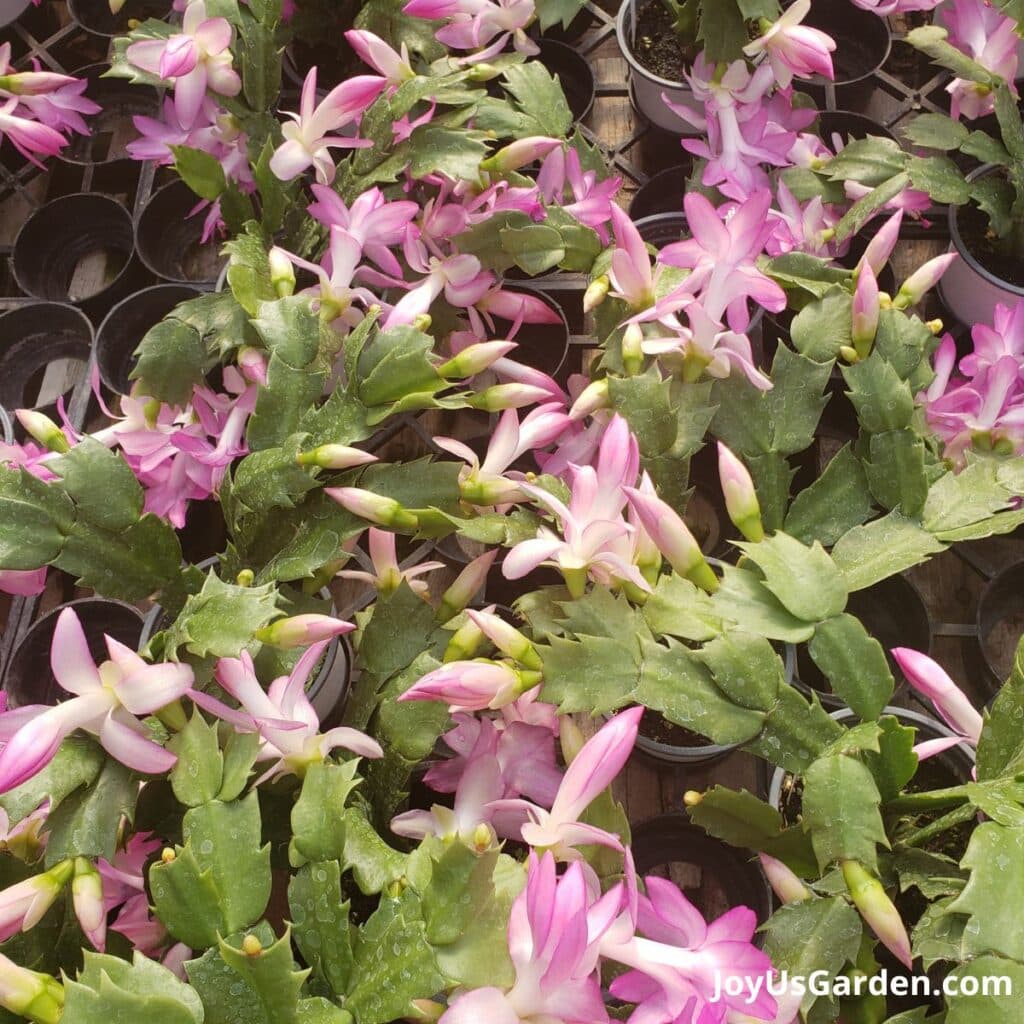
(926, 277)
(632, 349)
(116, 5)
(507, 638)
(871, 899)
(508, 396)
(36, 997)
(422, 322)
(251, 945)
(44, 430)
(282, 273)
(246, 578)
(483, 72)
(335, 456)
(375, 507)
(466, 586)
(740, 496)
(593, 397)
(936, 326)
(596, 292)
(866, 310)
(253, 364)
(571, 737)
(520, 153)
(302, 630)
(483, 837)
(167, 855)
(785, 884)
(692, 797)
(475, 359)
(87, 898)
(849, 354)
(466, 641)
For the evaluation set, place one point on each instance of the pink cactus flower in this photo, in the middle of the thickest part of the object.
(107, 698)
(931, 680)
(472, 685)
(310, 137)
(196, 59)
(387, 574)
(552, 951)
(282, 715)
(23, 583)
(590, 772)
(792, 48)
(486, 26)
(394, 66)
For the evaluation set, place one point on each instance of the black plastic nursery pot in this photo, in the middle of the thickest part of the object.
(44, 349)
(95, 16)
(969, 289)
(573, 71)
(849, 126)
(661, 229)
(126, 325)
(1000, 620)
(662, 192)
(29, 679)
(168, 237)
(111, 129)
(6, 428)
(894, 613)
(952, 767)
(543, 347)
(78, 249)
(12, 10)
(863, 44)
(714, 876)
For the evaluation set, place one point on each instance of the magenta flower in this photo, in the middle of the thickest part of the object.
(196, 59)
(309, 139)
(107, 700)
(883, 8)
(52, 99)
(722, 257)
(866, 311)
(792, 48)
(590, 772)
(387, 575)
(372, 222)
(880, 248)
(590, 201)
(29, 137)
(680, 964)
(931, 680)
(23, 583)
(978, 29)
(473, 24)
(552, 951)
(282, 715)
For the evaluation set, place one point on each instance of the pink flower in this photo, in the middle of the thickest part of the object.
(282, 715)
(196, 59)
(680, 964)
(987, 36)
(485, 483)
(591, 201)
(473, 24)
(28, 137)
(931, 680)
(552, 950)
(309, 138)
(52, 99)
(792, 48)
(387, 575)
(23, 905)
(107, 700)
(372, 50)
(590, 772)
(883, 8)
(722, 257)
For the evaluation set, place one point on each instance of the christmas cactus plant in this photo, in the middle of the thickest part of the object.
(188, 838)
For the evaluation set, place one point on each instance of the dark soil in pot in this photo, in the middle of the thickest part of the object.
(656, 45)
(977, 239)
(28, 678)
(715, 877)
